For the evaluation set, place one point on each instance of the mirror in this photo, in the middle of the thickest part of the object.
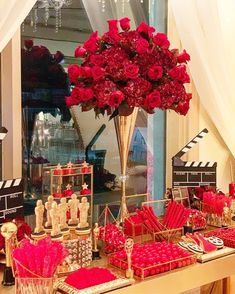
(50, 135)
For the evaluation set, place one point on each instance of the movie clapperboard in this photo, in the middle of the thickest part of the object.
(195, 173)
(11, 199)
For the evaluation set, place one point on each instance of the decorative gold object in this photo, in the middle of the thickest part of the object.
(227, 214)
(128, 248)
(124, 126)
(8, 231)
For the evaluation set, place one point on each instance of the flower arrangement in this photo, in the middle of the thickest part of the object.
(41, 68)
(44, 81)
(113, 238)
(214, 203)
(127, 69)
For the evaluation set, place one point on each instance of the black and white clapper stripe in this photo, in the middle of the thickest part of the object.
(10, 183)
(199, 163)
(192, 143)
(11, 199)
(193, 173)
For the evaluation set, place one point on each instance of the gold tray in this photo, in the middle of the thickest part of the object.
(215, 254)
(63, 287)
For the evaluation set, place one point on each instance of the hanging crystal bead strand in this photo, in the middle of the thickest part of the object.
(31, 18)
(35, 20)
(56, 20)
(123, 6)
(60, 17)
(103, 5)
(47, 13)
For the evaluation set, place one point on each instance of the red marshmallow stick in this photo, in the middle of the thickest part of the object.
(171, 214)
(152, 217)
(185, 217)
(161, 227)
(178, 219)
(145, 220)
(166, 216)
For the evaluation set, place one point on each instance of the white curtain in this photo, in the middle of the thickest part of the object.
(206, 29)
(98, 18)
(12, 14)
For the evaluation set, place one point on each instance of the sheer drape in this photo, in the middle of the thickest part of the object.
(12, 14)
(206, 29)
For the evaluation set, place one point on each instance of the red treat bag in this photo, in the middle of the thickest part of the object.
(69, 169)
(68, 192)
(85, 168)
(85, 190)
(58, 171)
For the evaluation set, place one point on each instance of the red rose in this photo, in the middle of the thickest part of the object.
(85, 72)
(28, 44)
(179, 73)
(145, 29)
(70, 101)
(85, 94)
(115, 99)
(125, 23)
(97, 59)
(131, 71)
(183, 57)
(113, 26)
(91, 44)
(2, 242)
(161, 40)
(41, 52)
(155, 72)
(103, 90)
(23, 230)
(76, 93)
(79, 52)
(183, 107)
(97, 72)
(59, 56)
(142, 45)
(73, 73)
(152, 100)
(112, 35)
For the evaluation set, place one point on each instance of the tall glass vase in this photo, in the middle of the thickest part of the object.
(124, 126)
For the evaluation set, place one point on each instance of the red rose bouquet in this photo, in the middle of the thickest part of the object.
(41, 68)
(44, 80)
(127, 69)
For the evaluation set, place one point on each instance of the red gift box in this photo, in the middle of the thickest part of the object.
(58, 172)
(85, 192)
(86, 169)
(68, 192)
(69, 171)
(57, 194)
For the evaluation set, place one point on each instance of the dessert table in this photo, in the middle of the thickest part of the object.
(177, 281)
(185, 279)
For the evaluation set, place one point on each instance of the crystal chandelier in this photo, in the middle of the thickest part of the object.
(47, 5)
(123, 2)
